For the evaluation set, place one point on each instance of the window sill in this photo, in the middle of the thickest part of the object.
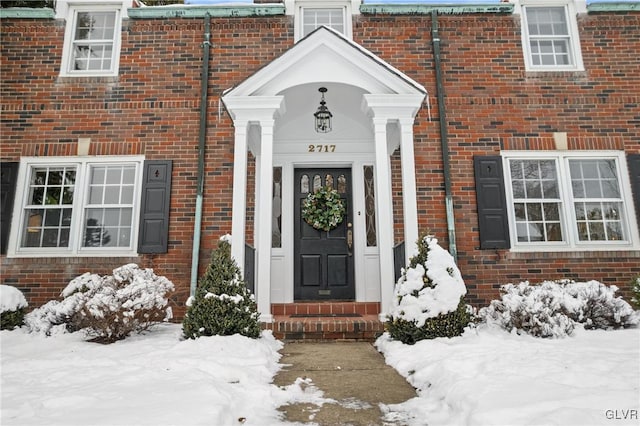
(573, 254)
(102, 79)
(32, 255)
(555, 73)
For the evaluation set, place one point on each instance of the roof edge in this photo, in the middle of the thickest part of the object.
(621, 6)
(182, 11)
(27, 13)
(426, 9)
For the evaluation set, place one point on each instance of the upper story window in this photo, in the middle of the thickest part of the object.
(92, 41)
(77, 206)
(550, 37)
(313, 18)
(310, 15)
(572, 200)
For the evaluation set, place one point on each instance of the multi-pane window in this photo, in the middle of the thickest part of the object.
(79, 207)
(92, 42)
(568, 200)
(597, 200)
(313, 18)
(49, 206)
(109, 210)
(549, 38)
(536, 200)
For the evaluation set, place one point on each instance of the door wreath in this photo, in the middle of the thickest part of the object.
(323, 209)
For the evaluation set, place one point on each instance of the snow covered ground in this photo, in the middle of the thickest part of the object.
(153, 379)
(491, 377)
(485, 377)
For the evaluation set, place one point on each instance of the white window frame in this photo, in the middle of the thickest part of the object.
(79, 206)
(71, 20)
(345, 6)
(575, 54)
(567, 211)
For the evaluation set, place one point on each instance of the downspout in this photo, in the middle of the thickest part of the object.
(444, 139)
(204, 88)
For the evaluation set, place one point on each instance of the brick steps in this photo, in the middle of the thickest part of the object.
(352, 321)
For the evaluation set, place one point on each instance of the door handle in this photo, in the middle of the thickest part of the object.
(350, 236)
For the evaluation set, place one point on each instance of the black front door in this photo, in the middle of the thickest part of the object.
(323, 259)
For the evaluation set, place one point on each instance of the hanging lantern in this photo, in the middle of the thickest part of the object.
(323, 115)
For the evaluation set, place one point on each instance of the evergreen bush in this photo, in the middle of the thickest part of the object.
(635, 292)
(222, 305)
(13, 307)
(28, 3)
(429, 297)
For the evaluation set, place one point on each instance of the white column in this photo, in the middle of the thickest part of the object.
(263, 212)
(410, 205)
(239, 209)
(385, 214)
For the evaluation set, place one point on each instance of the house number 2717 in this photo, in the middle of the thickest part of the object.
(322, 148)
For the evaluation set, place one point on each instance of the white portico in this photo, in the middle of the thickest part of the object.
(373, 107)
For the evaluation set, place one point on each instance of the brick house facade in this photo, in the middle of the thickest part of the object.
(533, 177)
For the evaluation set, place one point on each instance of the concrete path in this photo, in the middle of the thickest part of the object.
(353, 375)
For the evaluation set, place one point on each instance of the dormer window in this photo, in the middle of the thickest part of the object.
(310, 15)
(550, 37)
(92, 41)
(313, 18)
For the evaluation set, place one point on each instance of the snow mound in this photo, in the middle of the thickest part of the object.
(11, 299)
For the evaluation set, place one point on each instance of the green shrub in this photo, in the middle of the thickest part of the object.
(28, 3)
(429, 297)
(635, 292)
(162, 2)
(12, 319)
(222, 304)
(13, 306)
(444, 325)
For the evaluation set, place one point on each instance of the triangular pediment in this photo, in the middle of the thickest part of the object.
(326, 56)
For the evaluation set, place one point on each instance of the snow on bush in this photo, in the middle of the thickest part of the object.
(222, 304)
(553, 308)
(108, 307)
(429, 297)
(12, 307)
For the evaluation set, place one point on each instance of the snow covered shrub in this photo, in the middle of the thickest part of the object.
(635, 291)
(429, 297)
(222, 304)
(596, 306)
(536, 310)
(12, 307)
(552, 308)
(109, 307)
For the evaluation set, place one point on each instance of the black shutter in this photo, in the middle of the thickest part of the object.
(154, 211)
(8, 176)
(633, 162)
(493, 220)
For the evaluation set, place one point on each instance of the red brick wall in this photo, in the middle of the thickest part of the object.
(493, 103)
(152, 108)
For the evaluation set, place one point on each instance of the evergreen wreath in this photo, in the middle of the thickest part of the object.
(323, 209)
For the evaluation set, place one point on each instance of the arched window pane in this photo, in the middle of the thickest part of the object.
(329, 181)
